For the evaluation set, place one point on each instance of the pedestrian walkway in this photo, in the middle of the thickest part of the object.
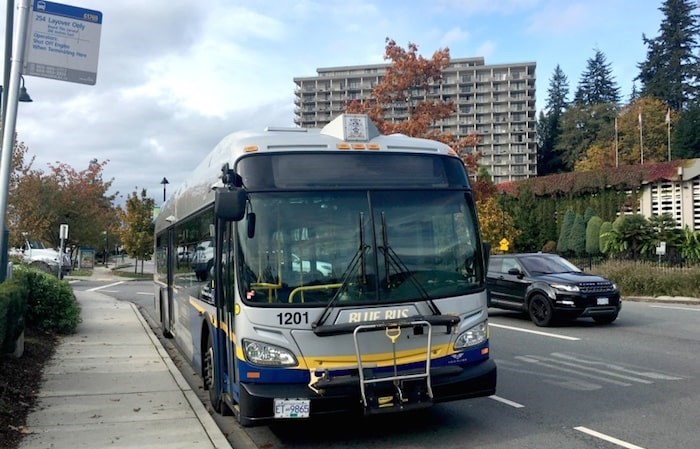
(112, 384)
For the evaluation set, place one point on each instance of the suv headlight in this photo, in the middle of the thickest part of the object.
(473, 336)
(565, 287)
(266, 354)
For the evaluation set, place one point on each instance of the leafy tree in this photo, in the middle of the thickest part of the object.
(662, 228)
(597, 157)
(406, 84)
(670, 71)
(593, 228)
(495, 222)
(577, 236)
(690, 246)
(483, 186)
(654, 129)
(565, 232)
(39, 202)
(137, 227)
(629, 234)
(597, 84)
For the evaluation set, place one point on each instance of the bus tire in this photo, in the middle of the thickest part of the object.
(163, 327)
(209, 376)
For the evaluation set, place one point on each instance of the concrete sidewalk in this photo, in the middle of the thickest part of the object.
(112, 384)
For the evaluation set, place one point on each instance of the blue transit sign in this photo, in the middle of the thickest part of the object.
(63, 42)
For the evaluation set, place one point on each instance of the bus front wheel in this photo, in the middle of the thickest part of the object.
(209, 377)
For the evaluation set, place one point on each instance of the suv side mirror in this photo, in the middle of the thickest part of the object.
(514, 272)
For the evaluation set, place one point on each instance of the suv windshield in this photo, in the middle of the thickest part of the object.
(359, 247)
(548, 265)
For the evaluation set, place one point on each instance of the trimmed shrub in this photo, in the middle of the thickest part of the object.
(649, 279)
(51, 305)
(593, 235)
(13, 308)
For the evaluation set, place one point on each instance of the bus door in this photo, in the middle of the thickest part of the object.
(224, 294)
(169, 321)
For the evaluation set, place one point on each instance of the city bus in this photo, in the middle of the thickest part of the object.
(326, 271)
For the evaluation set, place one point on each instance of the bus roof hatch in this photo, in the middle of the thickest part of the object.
(351, 127)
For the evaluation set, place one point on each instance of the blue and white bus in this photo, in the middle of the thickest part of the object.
(306, 272)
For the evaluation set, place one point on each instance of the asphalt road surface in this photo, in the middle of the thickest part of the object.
(633, 384)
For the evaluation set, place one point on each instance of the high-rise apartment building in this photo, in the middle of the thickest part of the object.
(495, 102)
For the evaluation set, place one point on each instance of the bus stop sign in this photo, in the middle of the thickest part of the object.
(63, 42)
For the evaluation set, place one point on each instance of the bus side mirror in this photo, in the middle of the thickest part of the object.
(229, 204)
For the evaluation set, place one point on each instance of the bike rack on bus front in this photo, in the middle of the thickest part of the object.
(393, 332)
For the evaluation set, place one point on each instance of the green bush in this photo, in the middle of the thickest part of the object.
(649, 279)
(13, 308)
(51, 305)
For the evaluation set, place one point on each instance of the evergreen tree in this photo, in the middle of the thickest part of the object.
(581, 127)
(671, 69)
(548, 124)
(527, 218)
(593, 228)
(557, 92)
(577, 236)
(565, 232)
(597, 83)
(685, 143)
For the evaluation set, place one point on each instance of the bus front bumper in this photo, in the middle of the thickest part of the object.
(256, 400)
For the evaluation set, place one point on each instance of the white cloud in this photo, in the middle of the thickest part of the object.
(176, 76)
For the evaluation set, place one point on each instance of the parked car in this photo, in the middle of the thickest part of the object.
(203, 259)
(549, 287)
(37, 255)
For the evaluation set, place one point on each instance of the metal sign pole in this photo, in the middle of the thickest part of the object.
(8, 138)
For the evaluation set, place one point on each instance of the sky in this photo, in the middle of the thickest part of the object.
(176, 76)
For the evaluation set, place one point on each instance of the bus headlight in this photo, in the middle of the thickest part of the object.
(473, 336)
(266, 354)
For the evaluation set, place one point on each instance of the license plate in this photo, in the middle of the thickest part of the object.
(603, 301)
(292, 408)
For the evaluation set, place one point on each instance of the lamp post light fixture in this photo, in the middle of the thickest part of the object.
(105, 258)
(164, 182)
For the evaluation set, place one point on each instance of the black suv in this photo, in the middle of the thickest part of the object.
(547, 287)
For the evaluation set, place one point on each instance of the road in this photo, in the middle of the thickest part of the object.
(632, 384)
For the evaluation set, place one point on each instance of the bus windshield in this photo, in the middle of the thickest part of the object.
(359, 247)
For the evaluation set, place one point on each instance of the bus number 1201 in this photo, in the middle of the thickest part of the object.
(293, 317)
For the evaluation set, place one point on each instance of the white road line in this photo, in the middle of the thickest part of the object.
(676, 308)
(145, 293)
(546, 334)
(104, 286)
(607, 438)
(578, 373)
(506, 401)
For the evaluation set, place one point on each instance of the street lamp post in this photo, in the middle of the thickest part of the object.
(164, 182)
(105, 258)
(8, 112)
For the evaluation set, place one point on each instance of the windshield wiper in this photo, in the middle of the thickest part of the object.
(392, 260)
(358, 259)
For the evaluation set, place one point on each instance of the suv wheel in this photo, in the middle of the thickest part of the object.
(540, 310)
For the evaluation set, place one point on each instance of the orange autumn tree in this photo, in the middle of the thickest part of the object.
(39, 202)
(405, 86)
